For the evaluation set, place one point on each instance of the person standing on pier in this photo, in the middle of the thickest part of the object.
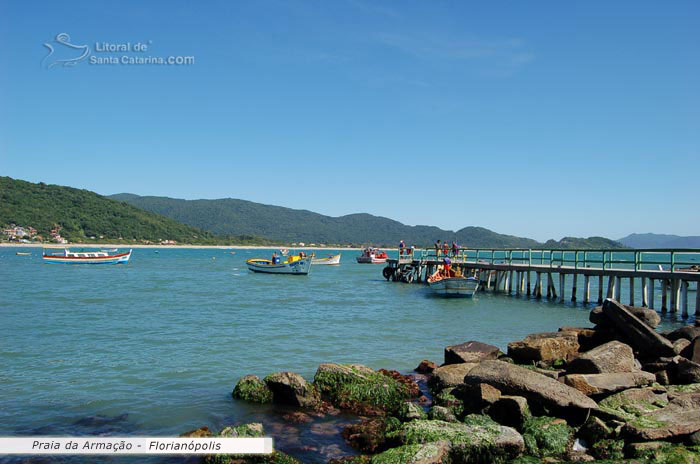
(401, 247)
(438, 248)
(455, 249)
(446, 248)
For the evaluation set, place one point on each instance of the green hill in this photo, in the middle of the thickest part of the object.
(82, 214)
(233, 216)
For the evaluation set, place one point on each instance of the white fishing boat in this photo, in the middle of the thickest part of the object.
(372, 255)
(296, 265)
(451, 283)
(61, 255)
(330, 260)
(23, 253)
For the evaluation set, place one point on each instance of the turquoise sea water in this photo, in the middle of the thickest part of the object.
(155, 347)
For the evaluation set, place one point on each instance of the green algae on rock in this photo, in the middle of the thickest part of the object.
(410, 411)
(608, 449)
(254, 430)
(251, 388)
(546, 436)
(424, 453)
(360, 388)
(478, 440)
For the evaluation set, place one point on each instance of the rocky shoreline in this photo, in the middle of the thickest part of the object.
(619, 391)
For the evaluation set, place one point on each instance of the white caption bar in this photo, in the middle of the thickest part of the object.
(134, 445)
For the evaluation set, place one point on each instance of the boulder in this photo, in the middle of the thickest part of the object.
(634, 402)
(452, 399)
(202, 432)
(410, 411)
(547, 436)
(253, 430)
(590, 338)
(646, 315)
(597, 384)
(478, 440)
(688, 332)
(450, 375)
(686, 371)
(290, 388)
(251, 388)
(692, 352)
(480, 396)
(442, 413)
(548, 346)
(595, 429)
(470, 352)
(679, 418)
(641, 337)
(611, 357)
(515, 380)
(663, 452)
(511, 411)
(436, 452)
(360, 389)
(426, 367)
(609, 449)
(680, 345)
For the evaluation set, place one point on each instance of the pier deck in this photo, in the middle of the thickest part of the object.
(524, 271)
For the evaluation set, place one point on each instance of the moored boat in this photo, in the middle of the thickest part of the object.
(23, 253)
(451, 283)
(330, 260)
(296, 265)
(63, 255)
(372, 255)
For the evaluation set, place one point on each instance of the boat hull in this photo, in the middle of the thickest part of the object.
(299, 267)
(330, 261)
(370, 260)
(115, 259)
(455, 287)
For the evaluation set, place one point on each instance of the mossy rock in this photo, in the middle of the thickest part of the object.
(251, 388)
(546, 436)
(690, 388)
(254, 430)
(360, 388)
(667, 453)
(410, 411)
(630, 404)
(448, 399)
(479, 441)
(434, 452)
(608, 449)
(442, 413)
(372, 435)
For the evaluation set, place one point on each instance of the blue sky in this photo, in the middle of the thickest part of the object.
(538, 119)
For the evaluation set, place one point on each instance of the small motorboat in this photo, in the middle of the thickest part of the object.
(23, 253)
(296, 265)
(65, 256)
(330, 260)
(451, 283)
(372, 255)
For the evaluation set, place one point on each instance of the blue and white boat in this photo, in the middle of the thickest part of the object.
(65, 256)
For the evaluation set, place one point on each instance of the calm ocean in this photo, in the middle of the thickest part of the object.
(155, 347)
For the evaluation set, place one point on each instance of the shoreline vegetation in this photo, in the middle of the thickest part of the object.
(616, 392)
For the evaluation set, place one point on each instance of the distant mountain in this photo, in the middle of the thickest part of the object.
(82, 215)
(233, 216)
(660, 241)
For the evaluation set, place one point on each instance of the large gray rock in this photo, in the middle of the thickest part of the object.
(519, 381)
(611, 357)
(436, 452)
(470, 352)
(692, 352)
(547, 346)
(681, 417)
(646, 315)
(290, 388)
(597, 384)
(686, 371)
(450, 375)
(642, 338)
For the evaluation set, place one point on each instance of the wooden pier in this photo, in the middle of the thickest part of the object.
(663, 279)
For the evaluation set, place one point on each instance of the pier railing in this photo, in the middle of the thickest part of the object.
(638, 259)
